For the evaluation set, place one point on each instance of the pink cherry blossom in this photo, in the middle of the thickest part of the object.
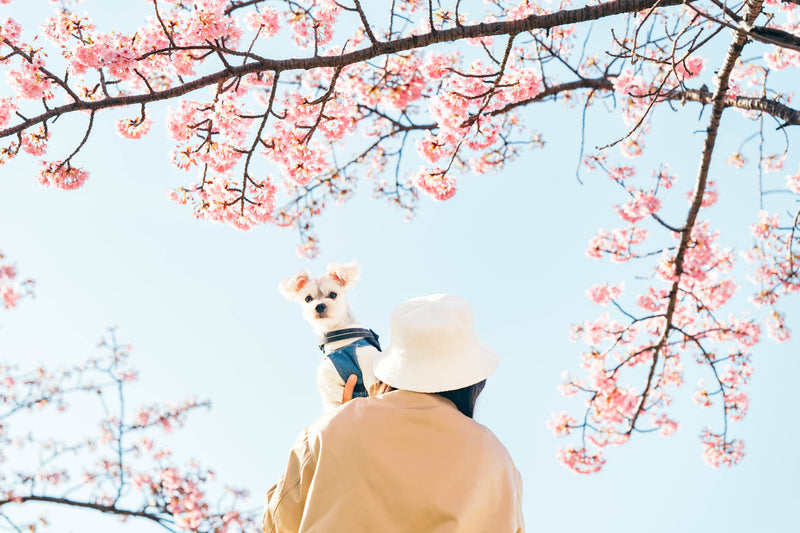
(580, 461)
(717, 451)
(265, 22)
(220, 199)
(61, 175)
(618, 243)
(737, 160)
(30, 83)
(620, 174)
(629, 84)
(10, 30)
(561, 424)
(602, 294)
(689, 68)
(7, 109)
(793, 182)
(640, 205)
(438, 184)
(773, 162)
(134, 128)
(776, 327)
(701, 395)
(667, 426)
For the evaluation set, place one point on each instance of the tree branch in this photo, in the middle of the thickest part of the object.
(411, 42)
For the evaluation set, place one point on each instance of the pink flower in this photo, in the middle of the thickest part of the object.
(736, 404)
(602, 294)
(8, 295)
(141, 479)
(668, 427)
(766, 225)
(431, 149)
(561, 424)
(134, 128)
(221, 200)
(10, 29)
(717, 451)
(580, 461)
(309, 249)
(792, 182)
(618, 243)
(436, 66)
(690, 68)
(61, 175)
(701, 395)
(436, 183)
(631, 147)
(737, 160)
(7, 109)
(776, 327)
(30, 82)
(773, 162)
(319, 29)
(265, 22)
(627, 83)
(620, 174)
(710, 194)
(640, 205)
(170, 479)
(663, 177)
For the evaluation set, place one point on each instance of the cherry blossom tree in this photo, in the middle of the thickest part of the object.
(119, 469)
(271, 139)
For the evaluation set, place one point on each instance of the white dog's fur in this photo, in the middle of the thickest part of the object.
(324, 303)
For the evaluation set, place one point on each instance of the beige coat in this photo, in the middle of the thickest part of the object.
(401, 462)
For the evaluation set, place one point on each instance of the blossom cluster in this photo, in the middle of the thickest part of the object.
(221, 199)
(775, 256)
(11, 288)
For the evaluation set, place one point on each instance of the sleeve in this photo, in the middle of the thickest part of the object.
(285, 501)
(520, 519)
(330, 385)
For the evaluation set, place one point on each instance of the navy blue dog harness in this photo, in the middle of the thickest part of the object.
(345, 361)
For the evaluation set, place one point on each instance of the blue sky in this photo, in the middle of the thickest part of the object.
(200, 303)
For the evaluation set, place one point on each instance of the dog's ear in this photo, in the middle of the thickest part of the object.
(345, 275)
(290, 287)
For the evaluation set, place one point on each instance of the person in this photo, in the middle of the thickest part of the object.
(411, 458)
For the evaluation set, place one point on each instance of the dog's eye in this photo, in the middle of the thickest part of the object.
(309, 298)
(332, 296)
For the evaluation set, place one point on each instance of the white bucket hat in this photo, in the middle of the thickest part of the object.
(434, 347)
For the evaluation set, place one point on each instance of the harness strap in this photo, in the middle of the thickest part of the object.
(349, 333)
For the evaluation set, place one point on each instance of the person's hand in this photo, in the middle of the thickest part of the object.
(349, 387)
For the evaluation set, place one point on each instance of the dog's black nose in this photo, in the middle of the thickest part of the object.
(320, 308)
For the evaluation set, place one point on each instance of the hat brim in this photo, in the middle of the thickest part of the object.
(435, 373)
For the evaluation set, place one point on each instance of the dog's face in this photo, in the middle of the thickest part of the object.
(324, 299)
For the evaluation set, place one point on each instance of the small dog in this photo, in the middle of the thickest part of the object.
(348, 348)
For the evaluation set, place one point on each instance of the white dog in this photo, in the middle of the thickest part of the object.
(347, 347)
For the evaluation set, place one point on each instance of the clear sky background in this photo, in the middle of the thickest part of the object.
(200, 304)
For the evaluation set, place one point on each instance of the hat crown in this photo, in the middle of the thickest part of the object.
(434, 347)
(442, 319)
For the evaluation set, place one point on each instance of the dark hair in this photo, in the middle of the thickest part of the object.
(465, 397)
